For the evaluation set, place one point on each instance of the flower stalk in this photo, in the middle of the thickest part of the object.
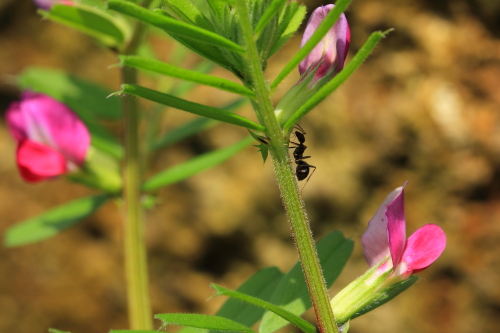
(278, 147)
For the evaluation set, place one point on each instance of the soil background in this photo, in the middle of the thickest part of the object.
(425, 107)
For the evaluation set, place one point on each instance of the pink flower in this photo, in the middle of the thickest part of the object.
(51, 139)
(386, 236)
(47, 4)
(331, 51)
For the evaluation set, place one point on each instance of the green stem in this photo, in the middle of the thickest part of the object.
(294, 205)
(136, 270)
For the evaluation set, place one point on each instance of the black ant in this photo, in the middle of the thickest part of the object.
(303, 168)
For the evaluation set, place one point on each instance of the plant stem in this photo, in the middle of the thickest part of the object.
(136, 270)
(278, 147)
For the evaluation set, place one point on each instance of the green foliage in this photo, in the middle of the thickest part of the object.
(53, 221)
(260, 285)
(132, 331)
(171, 25)
(198, 109)
(53, 330)
(193, 127)
(290, 20)
(263, 145)
(292, 294)
(87, 99)
(286, 315)
(180, 73)
(274, 23)
(92, 21)
(202, 321)
(193, 166)
(274, 7)
(329, 87)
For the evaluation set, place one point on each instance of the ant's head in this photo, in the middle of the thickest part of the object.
(300, 136)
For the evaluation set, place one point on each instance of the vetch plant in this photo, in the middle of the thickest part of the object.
(238, 36)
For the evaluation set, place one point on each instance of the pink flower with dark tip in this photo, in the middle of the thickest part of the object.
(386, 237)
(51, 139)
(331, 51)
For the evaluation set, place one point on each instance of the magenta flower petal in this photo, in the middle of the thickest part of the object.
(331, 51)
(375, 242)
(45, 120)
(396, 227)
(424, 247)
(38, 162)
(47, 4)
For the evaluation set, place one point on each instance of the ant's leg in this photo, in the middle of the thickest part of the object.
(300, 128)
(307, 180)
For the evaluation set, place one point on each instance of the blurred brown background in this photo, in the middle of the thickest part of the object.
(425, 108)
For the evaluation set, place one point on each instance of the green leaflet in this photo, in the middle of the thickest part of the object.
(199, 109)
(132, 331)
(53, 221)
(288, 316)
(193, 166)
(195, 126)
(292, 294)
(88, 20)
(269, 13)
(202, 321)
(180, 73)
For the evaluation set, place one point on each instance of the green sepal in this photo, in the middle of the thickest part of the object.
(202, 321)
(100, 171)
(387, 295)
(52, 222)
(288, 316)
(368, 292)
(198, 109)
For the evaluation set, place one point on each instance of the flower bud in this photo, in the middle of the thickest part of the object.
(51, 139)
(47, 4)
(328, 56)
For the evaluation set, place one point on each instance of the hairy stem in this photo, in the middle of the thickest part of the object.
(278, 147)
(136, 268)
